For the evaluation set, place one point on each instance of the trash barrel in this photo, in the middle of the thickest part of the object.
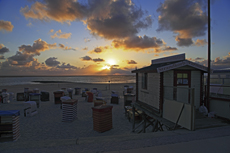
(69, 110)
(9, 125)
(114, 98)
(102, 118)
(57, 96)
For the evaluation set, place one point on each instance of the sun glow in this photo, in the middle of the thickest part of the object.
(106, 67)
(111, 62)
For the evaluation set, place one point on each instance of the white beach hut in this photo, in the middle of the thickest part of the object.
(169, 88)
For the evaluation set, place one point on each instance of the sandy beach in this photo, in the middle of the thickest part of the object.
(45, 132)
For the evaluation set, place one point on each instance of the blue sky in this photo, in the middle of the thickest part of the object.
(100, 37)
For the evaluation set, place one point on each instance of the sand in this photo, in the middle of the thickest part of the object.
(47, 125)
(45, 132)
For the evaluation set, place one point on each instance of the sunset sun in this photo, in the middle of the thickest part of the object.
(111, 62)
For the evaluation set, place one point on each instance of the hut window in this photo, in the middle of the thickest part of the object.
(144, 80)
(182, 78)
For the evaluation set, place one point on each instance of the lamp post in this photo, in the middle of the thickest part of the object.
(209, 56)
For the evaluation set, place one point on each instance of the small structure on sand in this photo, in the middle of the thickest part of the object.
(168, 92)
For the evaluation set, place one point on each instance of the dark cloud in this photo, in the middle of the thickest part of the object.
(99, 49)
(184, 17)
(86, 58)
(131, 62)
(6, 25)
(3, 49)
(106, 18)
(52, 61)
(138, 43)
(66, 66)
(184, 41)
(116, 19)
(37, 47)
(168, 48)
(199, 58)
(21, 59)
(98, 60)
(62, 46)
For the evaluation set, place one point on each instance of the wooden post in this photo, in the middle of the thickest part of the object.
(192, 110)
(133, 110)
(144, 121)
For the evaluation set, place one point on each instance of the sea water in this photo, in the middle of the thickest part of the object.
(5, 81)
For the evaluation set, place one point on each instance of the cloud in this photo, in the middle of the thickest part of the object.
(66, 66)
(20, 58)
(85, 48)
(106, 18)
(62, 46)
(184, 41)
(6, 25)
(99, 49)
(138, 43)
(59, 10)
(37, 47)
(86, 40)
(52, 61)
(201, 42)
(131, 62)
(185, 18)
(98, 60)
(116, 19)
(168, 48)
(3, 49)
(218, 63)
(60, 35)
(51, 31)
(199, 58)
(86, 58)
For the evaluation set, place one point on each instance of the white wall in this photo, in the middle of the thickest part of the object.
(151, 95)
(195, 83)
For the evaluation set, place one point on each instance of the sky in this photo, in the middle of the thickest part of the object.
(108, 37)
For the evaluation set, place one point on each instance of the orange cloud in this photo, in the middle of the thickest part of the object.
(59, 34)
(138, 43)
(6, 25)
(37, 47)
